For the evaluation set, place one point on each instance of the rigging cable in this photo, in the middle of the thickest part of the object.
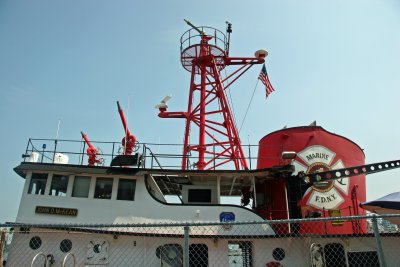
(230, 102)
(248, 107)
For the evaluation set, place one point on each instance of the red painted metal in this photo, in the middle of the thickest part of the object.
(128, 142)
(91, 151)
(208, 107)
(317, 150)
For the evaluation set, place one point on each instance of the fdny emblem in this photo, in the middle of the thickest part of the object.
(326, 194)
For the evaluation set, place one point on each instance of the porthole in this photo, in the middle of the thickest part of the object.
(278, 254)
(97, 248)
(35, 242)
(65, 245)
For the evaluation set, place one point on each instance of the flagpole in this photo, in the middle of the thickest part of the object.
(248, 107)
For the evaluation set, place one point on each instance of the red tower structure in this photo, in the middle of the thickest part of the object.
(205, 53)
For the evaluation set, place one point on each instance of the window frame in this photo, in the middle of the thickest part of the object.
(42, 190)
(98, 193)
(52, 184)
(119, 191)
(89, 178)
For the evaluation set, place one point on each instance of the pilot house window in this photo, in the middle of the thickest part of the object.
(103, 188)
(81, 186)
(37, 184)
(126, 189)
(59, 185)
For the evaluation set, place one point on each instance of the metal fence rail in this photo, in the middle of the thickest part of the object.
(302, 242)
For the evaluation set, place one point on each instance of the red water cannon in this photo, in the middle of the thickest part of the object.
(128, 142)
(92, 152)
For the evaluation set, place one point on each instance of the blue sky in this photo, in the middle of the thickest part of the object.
(336, 62)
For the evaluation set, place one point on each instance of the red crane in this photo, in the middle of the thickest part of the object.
(205, 56)
(92, 152)
(129, 140)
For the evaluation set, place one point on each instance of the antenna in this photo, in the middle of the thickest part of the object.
(228, 31)
(58, 128)
(194, 27)
(163, 105)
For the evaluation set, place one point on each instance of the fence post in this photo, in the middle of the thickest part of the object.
(2, 244)
(186, 246)
(381, 256)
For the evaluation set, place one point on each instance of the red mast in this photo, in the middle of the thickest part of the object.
(205, 56)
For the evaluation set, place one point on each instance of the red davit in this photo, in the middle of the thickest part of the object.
(317, 150)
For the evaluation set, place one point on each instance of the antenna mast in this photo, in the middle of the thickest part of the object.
(228, 31)
(204, 56)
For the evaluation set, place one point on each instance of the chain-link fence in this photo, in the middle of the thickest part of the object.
(305, 242)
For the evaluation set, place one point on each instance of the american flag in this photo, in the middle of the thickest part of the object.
(263, 77)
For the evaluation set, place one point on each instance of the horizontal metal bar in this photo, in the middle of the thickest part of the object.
(352, 171)
(333, 219)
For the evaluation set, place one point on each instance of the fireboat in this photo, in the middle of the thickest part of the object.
(122, 204)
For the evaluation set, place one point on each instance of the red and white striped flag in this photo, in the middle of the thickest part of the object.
(263, 77)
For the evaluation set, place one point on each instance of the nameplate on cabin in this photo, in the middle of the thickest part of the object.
(56, 211)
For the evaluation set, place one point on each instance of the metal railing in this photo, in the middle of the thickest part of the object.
(153, 156)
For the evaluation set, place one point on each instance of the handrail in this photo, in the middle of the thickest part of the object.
(166, 176)
(188, 36)
(169, 158)
(34, 259)
(65, 259)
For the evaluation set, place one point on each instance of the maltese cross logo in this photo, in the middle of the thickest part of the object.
(326, 194)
